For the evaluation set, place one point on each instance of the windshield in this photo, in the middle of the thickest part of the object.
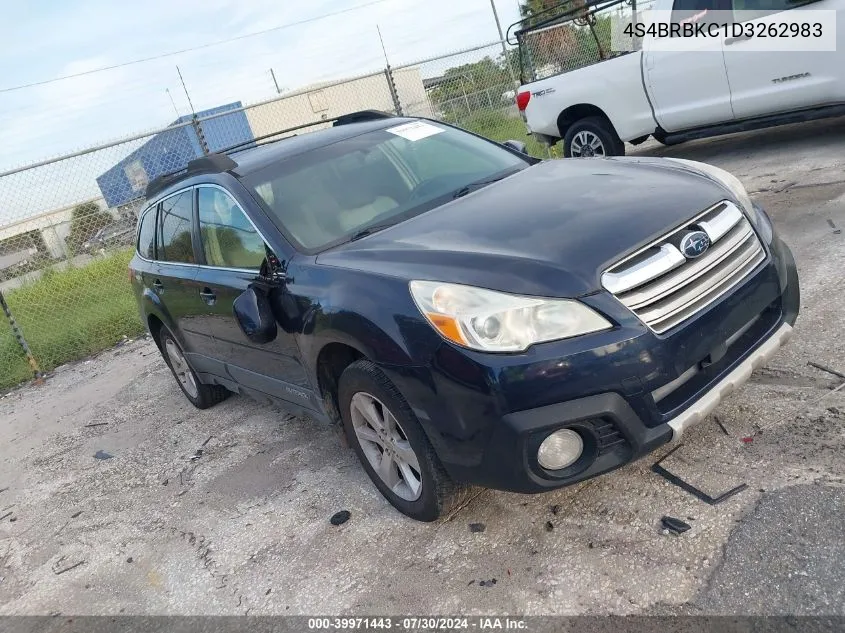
(338, 192)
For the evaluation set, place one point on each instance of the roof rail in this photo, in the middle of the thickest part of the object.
(219, 162)
(344, 119)
(360, 116)
(211, 164)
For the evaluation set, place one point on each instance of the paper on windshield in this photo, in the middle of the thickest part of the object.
(415, 131)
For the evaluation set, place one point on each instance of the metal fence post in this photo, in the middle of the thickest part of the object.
(36, 371)
(394, 94)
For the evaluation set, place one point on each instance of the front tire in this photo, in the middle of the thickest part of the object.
(391, 444)
(202, 396)
(592, 136)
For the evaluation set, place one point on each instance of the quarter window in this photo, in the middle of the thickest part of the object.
(228, 238)
(147, 234)
(174, 235)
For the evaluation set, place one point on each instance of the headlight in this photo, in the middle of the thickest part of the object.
(498, 322)
(727, 180)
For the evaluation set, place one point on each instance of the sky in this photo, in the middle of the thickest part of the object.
(45, 39)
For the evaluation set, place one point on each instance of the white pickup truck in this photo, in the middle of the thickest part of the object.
(718, 85)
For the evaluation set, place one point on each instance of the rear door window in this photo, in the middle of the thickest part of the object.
(175, 219)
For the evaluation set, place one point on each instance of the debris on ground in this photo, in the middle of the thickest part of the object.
(747, 440)
(824, 368)
(58, 568)
(4, 489)
(102, 455)
(487, 583)
(477, 527)
(721, 426)
(8, 514)
(93, 424)
(673, 525)
(833, 226)
(339, 518)
(130, 560)
(658, 469)
(554, 509)
(76, 514)
(196, 455)
(549, 526)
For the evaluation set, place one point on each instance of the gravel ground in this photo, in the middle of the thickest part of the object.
(243, 527)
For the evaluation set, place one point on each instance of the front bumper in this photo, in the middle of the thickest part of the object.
(624, 391)
(730, 383)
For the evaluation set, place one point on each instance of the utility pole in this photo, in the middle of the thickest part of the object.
(505, 55)
(276, 83)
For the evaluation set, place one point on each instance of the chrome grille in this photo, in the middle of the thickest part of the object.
(664, 288)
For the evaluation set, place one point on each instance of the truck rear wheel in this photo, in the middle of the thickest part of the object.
(593, 136)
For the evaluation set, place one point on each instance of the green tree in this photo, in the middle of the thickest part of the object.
(533, 11)
(86, 219)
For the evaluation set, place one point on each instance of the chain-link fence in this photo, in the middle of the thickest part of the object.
(67, 225)
(572, 35)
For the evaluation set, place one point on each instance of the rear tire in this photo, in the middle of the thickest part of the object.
(592, 136)
(200, 395)
(392, 446)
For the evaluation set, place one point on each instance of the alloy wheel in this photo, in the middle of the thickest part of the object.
(386, 446)
(181, 369)
(586, 144)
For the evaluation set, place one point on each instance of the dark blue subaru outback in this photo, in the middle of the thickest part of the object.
(469, 314)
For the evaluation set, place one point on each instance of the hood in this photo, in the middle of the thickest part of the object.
(550, 229)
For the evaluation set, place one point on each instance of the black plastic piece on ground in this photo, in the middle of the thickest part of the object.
(695, 492)
(675, 525)
(340, 517)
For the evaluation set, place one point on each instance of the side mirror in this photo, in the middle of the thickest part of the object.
(255, 316)
(519, 146)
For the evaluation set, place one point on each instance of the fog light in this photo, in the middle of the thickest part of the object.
(560, 449)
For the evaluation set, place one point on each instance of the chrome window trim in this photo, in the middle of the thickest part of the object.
(206, 266)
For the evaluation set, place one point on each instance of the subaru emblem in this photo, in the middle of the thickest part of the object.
(695, 244)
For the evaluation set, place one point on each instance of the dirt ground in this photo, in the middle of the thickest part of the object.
(243, 527)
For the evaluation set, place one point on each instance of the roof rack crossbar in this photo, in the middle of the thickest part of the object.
(211, 164)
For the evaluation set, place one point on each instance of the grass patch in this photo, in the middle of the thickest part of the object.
(69, 314)
(499, 125)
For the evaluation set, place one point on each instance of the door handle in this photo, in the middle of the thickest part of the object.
(735, 40)
(208, 296)
(158, 286)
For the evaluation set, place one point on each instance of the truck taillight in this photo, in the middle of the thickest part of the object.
(522, 100)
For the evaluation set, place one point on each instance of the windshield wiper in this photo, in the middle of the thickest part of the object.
(478, 184)
(375, 228)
